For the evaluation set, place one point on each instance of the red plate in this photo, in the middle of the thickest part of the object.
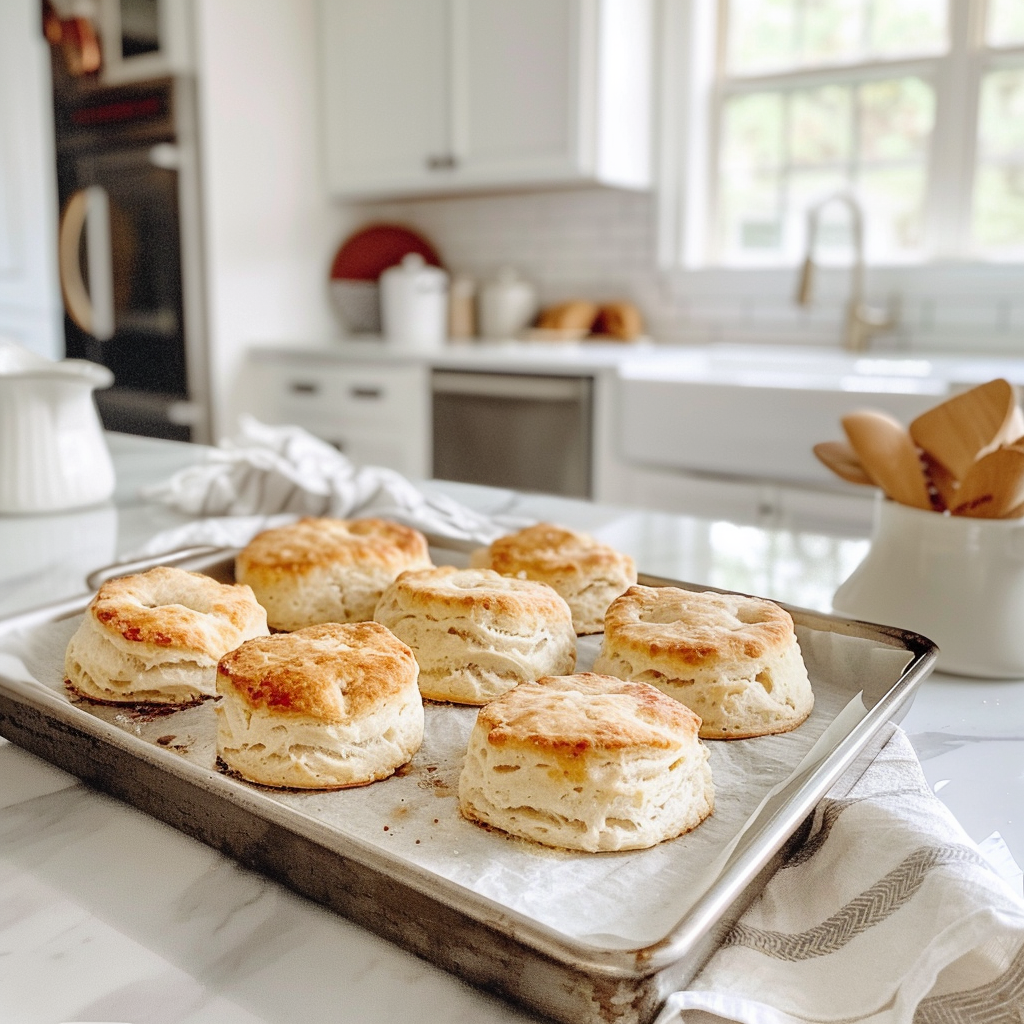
(365, 255)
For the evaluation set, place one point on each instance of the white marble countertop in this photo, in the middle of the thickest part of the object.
(108, 915)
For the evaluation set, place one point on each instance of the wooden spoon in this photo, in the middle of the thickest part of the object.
(842, 460)
(993, 487)
(888, 456)
(959, 431)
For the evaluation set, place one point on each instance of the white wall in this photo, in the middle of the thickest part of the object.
(270, 229)
(30, 304)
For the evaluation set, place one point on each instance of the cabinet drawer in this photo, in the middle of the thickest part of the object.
(395, 397)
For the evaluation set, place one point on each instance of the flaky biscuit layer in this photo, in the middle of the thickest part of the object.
(587, 573)
(476, 634)
(733, 659)
(328, 570)
(587, 762)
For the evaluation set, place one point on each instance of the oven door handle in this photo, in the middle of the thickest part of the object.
(92, 308)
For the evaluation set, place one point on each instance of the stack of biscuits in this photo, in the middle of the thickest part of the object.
(321, 655)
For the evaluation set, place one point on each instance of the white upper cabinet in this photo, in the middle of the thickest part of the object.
(431, 96)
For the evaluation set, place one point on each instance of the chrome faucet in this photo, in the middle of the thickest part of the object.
(862, 321)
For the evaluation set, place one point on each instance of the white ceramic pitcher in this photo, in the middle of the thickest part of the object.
(53, 455)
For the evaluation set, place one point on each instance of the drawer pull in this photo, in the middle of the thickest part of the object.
(303, 387)
(367, 392)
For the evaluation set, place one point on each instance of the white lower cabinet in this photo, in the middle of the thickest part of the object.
(376, 415)
(768, 504)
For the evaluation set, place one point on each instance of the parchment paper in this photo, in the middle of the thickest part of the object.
(611, 900)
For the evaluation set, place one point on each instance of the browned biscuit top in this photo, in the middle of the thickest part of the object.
(696, 628)
(173, 608)
(476, 593)
(573, 715)
(548, 550)
(313, 542)
(335, 672)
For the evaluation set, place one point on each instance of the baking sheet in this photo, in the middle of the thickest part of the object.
(606, 901)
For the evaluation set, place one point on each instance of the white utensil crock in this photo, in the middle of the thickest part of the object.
(957, 580)
(414, 303)
(53, 455)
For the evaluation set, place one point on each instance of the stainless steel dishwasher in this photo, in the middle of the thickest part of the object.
(525, 431)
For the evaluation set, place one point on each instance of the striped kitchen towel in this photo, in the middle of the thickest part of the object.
(888, 913)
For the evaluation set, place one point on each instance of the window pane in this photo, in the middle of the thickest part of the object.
(908, 26)
(893, 199)
(896, 119)
(762, 35)
(1005, 22)
(752, 131)
(999, 179)
(770, 35)
(831, 30)
(819, 125)
(749, 218)
(806, 189)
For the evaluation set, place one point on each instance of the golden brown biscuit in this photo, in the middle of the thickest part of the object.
(587, 573)
(733, 659)
(587, 762)
(156, 637)
(475, 633)
(327, 570)
(326, 707)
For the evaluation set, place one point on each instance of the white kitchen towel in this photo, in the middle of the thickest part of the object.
(268, 475)
(887, 913)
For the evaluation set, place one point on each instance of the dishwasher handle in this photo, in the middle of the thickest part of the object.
(528, 386)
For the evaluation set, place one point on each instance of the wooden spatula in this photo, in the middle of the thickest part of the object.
(842, 460)
(959, 431)
(993, 487)
(888, 456)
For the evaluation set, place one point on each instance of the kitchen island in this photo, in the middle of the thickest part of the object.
(109, 915)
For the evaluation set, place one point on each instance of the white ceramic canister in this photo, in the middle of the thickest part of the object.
(507, 305)
(53, 455)
(955, 579)
(414, 303)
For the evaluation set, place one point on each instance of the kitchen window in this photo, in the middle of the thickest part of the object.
(916, 106)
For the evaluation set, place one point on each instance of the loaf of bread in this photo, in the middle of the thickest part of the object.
(325, 707)
(328, 570)
(576, 315)
(619, 320)
(476, 634)
(156, 637)
(589, 575)
(734, 660)
(587, 762)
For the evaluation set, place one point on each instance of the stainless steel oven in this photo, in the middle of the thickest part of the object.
(129, 250)
(524, 431)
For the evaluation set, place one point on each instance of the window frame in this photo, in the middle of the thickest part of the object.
(691, 94)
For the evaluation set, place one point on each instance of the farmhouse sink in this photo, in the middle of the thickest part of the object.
(755, 411)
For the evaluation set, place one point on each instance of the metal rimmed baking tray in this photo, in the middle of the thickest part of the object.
(396, 858)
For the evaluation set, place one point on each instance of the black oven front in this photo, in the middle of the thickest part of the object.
(124, 250)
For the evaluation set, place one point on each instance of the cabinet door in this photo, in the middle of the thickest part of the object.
(386, 94)
(516, 90)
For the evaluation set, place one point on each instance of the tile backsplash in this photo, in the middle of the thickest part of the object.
(601, 244)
